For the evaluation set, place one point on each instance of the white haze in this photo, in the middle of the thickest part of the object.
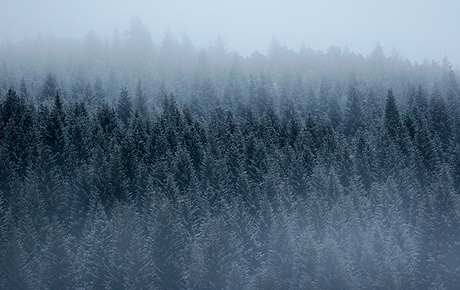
(417, 29)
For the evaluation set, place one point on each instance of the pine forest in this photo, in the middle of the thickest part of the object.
(128, 164)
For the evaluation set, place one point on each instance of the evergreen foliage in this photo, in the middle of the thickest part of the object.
(223, 172)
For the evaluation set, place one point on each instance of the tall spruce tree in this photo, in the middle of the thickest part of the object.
(392, 120)
(124, 106)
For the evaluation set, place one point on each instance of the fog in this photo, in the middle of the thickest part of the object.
(178, 164)
(428, 29)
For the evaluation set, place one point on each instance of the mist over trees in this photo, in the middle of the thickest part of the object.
(128, 164)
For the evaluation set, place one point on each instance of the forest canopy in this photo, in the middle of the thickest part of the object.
(126, 164)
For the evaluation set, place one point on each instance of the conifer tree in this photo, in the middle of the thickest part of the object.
(392, 121)
(124, 106)
(140, 101)
(49, 88)
(353, 116)
(98, 91)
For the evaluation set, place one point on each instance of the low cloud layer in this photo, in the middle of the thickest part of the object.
(427, 29)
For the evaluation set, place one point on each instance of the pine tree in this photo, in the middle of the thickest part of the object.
(444, 232)
(18, 136)
(165, 244)
(392, 121)
(107, 120)
(353, 115)
(364, 160)
(94, 251)
(30, 210)
(49, 88)
(215, 254)
(440, 120)
(12, 255)
(23, 90)
(56, 272)
(332, 271)
(451, 88)
(233, 95)
(124, 106)
(130, 265)
(426, 153)
(140, 101)
(98, 91)
(279, 262)
(78, 135)
(53, 134)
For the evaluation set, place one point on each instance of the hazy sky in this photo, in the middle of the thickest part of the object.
(418, 28)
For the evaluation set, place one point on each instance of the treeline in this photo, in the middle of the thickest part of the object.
(201, 197)
(94, 69)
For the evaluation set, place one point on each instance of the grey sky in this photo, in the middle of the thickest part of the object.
(417, 29)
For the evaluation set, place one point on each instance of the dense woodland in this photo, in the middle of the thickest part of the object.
(130, 165)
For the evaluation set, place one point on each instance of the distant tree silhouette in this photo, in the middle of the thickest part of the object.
(124, 106)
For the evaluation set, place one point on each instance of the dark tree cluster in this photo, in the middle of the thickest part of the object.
(300, 170)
